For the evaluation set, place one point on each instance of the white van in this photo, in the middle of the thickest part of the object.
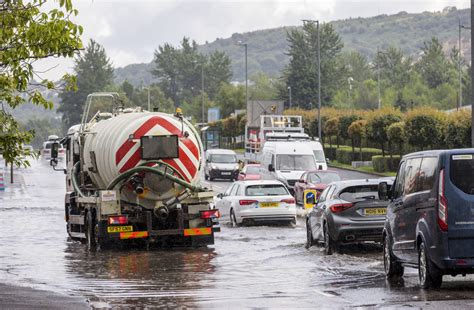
(286, 161)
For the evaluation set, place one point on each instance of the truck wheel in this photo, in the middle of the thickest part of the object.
(429, 275)
(393, 269)
(90, 231)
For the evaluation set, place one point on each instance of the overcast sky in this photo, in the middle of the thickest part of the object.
(130, 30)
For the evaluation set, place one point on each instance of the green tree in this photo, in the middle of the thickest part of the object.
(94, 73)
(301, 72)
(378, 123)
(217, 71)
(344, 122)
(433, 65)
(396, 135)
(394, 66)
(458, 130)
(30, 32)
(230, 98)
(424, 128)
(331, 129)
(42, 127)
(263, 87)
(357, 131)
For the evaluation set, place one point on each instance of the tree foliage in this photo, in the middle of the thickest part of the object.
(28, 33)
(94, 73)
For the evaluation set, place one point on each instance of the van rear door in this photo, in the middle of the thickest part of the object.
(459, 194)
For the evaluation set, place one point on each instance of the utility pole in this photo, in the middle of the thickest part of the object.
(289, 90)
(378, 79)
(319, 72)
(459, 63)
(149, 105)
(202, 93)
(472, 75)
(246, 77)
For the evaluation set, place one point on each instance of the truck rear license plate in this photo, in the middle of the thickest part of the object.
(118, 229)
(269, 204)
(375, 211)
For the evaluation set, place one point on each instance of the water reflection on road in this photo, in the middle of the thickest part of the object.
(259, 266)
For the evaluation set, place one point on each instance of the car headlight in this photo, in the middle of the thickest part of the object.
(213, 167)
(236, 167)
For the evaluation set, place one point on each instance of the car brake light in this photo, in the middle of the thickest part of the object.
(288, 200)
(442, 204)
(118, 220)
(245, 202)
(209, 214)
(340, 207)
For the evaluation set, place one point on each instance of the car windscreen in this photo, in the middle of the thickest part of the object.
(462, 170)
(295, 162)
(253, 170)
(48, 145)
(323, 178)
(266, 190)
(358, 193)
(223, 158)
(319, 155)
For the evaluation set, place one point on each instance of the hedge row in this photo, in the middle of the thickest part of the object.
(385, 164)
(344, 154)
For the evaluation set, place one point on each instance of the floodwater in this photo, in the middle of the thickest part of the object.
(247, 267)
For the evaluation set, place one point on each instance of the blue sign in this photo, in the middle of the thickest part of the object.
(213, 115)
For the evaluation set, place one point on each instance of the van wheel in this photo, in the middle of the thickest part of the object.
(393, 269)
(91, 240)
(211, 178)
(330, 245)
(206, 177)
(429, 275)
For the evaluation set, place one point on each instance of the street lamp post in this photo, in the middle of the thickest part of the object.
(246, 73)
(378, 79)
(459, 63)
(319, 73)
(148, 90)
(289, 94)
(472, 76)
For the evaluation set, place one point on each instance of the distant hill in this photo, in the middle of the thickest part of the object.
(266, 48)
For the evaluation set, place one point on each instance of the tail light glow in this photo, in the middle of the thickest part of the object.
(288, 200)
(118, 220)
(442, 204)
(246, 202)
(209, 214)
(337, 208)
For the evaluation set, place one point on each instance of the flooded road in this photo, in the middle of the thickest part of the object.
(247, 267)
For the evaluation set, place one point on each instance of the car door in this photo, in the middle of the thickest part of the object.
(299, 188)
(234, 199)
(394, 209)
(223, 204)
(316, 214)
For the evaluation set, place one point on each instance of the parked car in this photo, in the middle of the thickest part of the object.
(347, 212)
(257, 201)
(221, 164)
(314, 179)
(430, 218)
(250, 172)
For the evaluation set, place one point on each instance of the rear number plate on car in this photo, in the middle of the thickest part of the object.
(268, 204)
(117, 229)
(375, 211)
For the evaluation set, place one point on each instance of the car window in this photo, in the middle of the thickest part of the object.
(331, 193)
(223, 158)
(427, 173)
(229, 189)
(412, 173)
(295, 162)
(266, 190)
(235, 190)
(252, 170)
(462, 170)
(323, 178)
(360, 192)
(399, 181)
(322, 198)
(319, 155)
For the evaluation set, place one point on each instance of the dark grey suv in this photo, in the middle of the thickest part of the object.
(347, 212)
(430, 218)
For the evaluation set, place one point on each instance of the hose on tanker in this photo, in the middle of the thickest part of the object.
(170, 177)
(162, 163)
(75, 184)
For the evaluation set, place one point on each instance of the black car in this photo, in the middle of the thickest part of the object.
(347, 212)
(430, 218)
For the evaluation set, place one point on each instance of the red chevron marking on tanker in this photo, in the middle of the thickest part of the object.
(142, 130)
(127, 145)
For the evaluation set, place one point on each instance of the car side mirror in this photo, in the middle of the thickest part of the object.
(271, 168)
(327, 160)
(220, 195)
(301, 181)
(243, 173)
(208, 161)
(53, 162)
(383, 191)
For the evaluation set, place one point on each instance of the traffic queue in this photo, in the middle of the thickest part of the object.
(423, 218)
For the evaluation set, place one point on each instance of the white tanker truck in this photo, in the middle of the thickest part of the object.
(134, 175)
